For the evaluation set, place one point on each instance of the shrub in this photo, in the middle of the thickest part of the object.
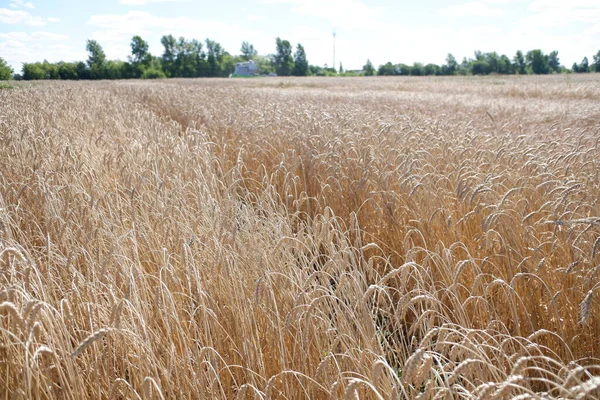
(153, 73)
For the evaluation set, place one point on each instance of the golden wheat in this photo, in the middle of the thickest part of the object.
(300, 238)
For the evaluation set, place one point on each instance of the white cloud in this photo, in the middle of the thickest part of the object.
(142, 22)
(254, 17)
(33, 36)
(472, 9)
(571, 27)
(548, 13)
(340, 13)
(145, 2)
(21, 3)
(53, 19)
(593, 30)
(116, 30)
(540, 4)
(16, 52)
(26, 47)
(19, 17)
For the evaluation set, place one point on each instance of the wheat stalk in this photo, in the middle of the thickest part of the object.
(87, 342)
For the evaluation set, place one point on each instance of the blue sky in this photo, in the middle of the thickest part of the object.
(379, 30)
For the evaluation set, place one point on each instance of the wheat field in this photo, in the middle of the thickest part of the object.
(373, 238)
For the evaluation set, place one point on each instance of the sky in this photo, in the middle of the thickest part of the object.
(380, 30)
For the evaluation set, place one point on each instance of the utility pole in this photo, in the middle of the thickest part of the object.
(333, 49)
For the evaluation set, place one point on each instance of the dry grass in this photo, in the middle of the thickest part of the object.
(301, 238)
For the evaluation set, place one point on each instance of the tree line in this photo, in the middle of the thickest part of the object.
(532, 62)
(181, 58)
(184, 58)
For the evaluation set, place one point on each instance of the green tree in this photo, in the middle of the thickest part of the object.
(264, 64)
(248, 51)
(190, 59)
(431, 69)
(114, 69)
(537, 62)
(451, 66)
(329, 71)
(300, 61)
(317, 70)
(519, 63)
(169, 53)
(575, 68)
(6, 72)
(130, 70)
(215, 54)
(493, 61)
(51, 70)
(341, 70)
(417, 69)
(187, 56)
(67, 71)
(228, 64)
(33, 71)
(402, 69)
(480, 67)
(139, 50)
(96, 53)
(553, 61)
(463, 68)
(504, 65)
(283, 61)
(596, 64)
(584, 66)
(368, 68)
(140, 58)
(386, 69)
(153, 73)
(83, 71)
(96, 59)
(41, 70)
(154, 70)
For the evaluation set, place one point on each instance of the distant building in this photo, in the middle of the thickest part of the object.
(247, 68)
